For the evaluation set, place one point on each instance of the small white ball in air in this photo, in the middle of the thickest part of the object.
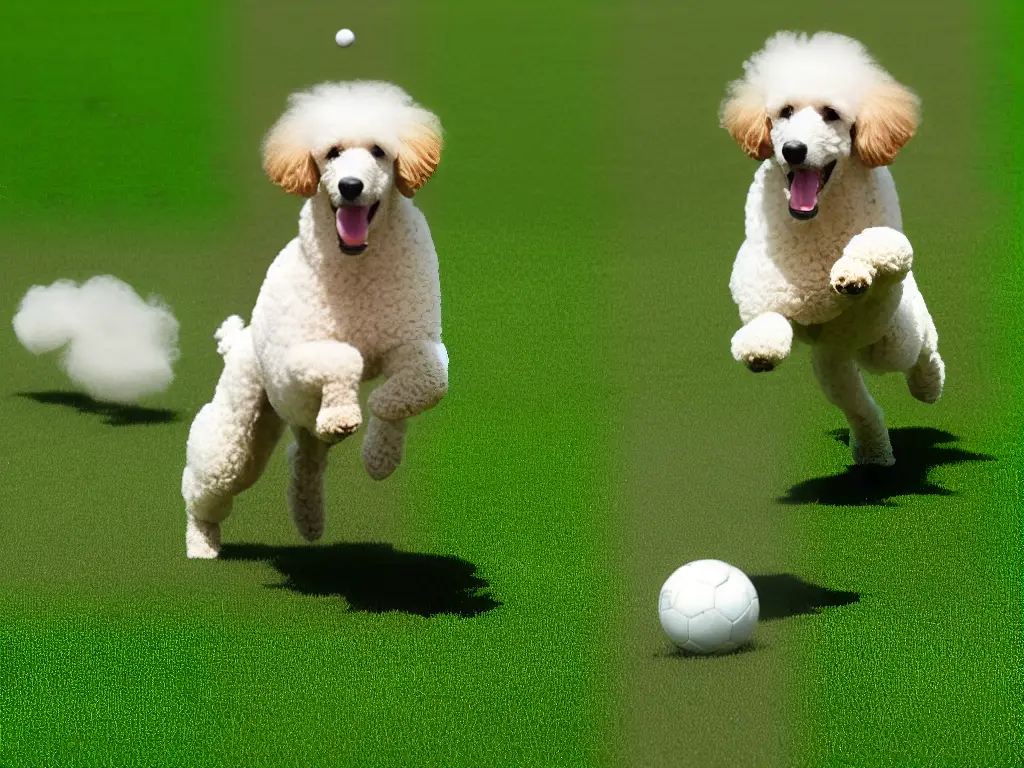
(345, 37)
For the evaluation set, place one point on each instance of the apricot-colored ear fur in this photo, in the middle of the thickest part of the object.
(289, 164)
(888, 119)
(747, 121)
(417, 159)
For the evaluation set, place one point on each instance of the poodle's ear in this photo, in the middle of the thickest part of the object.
(288, 162)
(418, 155)
(888, 119)
(743, 115)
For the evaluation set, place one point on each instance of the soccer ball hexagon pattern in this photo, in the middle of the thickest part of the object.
(708, 606)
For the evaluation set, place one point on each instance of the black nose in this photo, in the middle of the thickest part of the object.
(350, 188)
(795, 152)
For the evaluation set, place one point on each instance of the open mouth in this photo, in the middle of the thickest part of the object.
(804, 186)
(353, 222)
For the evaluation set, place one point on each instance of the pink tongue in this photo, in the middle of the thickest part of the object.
(803, 192)
(353, 221)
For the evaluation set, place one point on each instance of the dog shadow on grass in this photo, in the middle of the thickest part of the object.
(918, 450)
(114, 414)
(375, 577)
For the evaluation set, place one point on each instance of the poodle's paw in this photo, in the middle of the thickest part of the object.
(381, 463)
(851, 276)
(202, 539)
(886, 251)
(310, 530)
(763, 343)
(927, 378)
(310, 526)
(873, 452)
(875, 253)
(383, 447)
(335, 423)
(307, 513)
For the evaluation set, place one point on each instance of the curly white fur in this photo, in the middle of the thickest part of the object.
(355, 296)
(824, 257)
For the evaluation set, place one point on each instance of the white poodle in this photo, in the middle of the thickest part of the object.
(355, 296)
(824, 258)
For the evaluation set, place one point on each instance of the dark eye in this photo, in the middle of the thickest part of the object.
(786, 112)
(377, 151)
(333, 152)
(829, 114)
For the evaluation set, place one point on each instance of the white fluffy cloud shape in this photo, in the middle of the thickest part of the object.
(117, 347)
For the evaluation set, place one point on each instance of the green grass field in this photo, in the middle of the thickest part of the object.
(493, 603)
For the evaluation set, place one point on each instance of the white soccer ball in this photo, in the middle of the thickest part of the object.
(345, 37)
(708, 606)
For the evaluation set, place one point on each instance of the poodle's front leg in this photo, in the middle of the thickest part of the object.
(417, 380)
(876, 255)
(764, 342)
(329, 371)
(841, 382)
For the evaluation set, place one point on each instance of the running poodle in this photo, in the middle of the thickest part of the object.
(355, 296)
(824, 258)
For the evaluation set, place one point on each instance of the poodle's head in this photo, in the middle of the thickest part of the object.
(353, 142)
(812, 103)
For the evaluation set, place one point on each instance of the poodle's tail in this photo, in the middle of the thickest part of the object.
(227, 334)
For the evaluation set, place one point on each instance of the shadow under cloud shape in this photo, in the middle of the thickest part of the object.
(918, 450)
(781, 595)
(114, 414)
(374, 577)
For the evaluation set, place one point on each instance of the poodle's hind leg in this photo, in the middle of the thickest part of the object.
(307, 457)
(927, 376)
(383, 447)
(229, 444)
(910, 346)
(840, 379)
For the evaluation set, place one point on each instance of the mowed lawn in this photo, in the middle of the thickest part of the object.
(117, 651)
(893, 605)
(493, 603)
